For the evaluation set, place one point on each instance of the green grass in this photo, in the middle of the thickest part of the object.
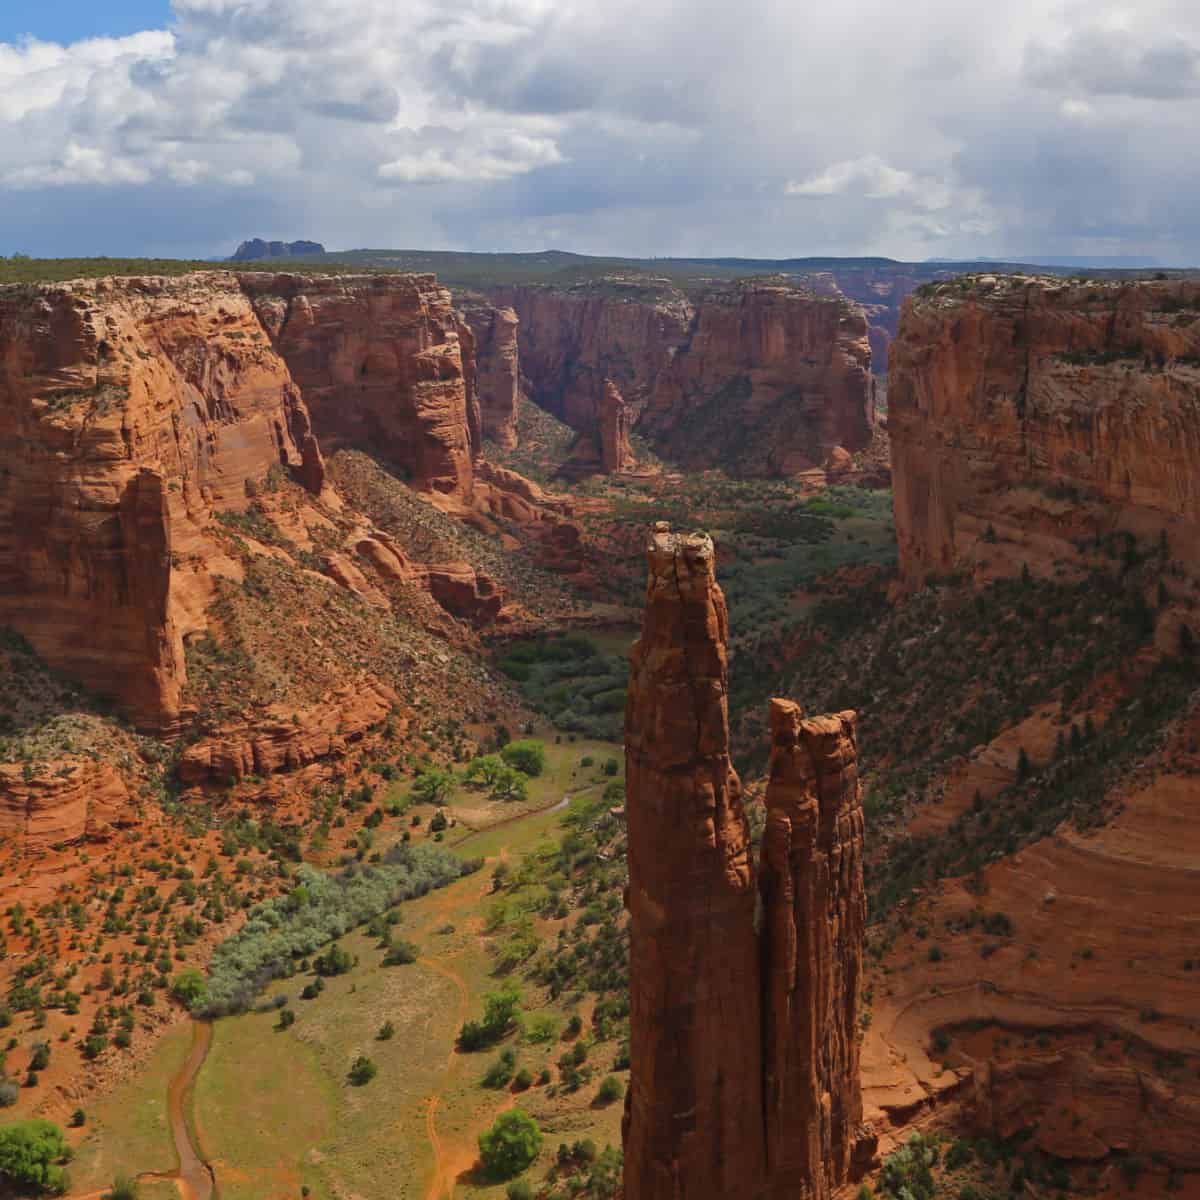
(128, 1130)
(274, 1109)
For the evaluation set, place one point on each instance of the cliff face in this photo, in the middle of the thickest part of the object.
(771, 382)
(573, 341)
(386, 365)
(1026, 415)
(130, 412)
(498, 368)
(762, 379)
(615, 452)
(694, 1107)
(814, 907)
(744, 1045)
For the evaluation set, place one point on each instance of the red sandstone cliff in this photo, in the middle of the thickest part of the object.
(498, 366)
(386, 365)
(1026, 414)
(694, 1108)
(131, 411)
(616, 454)
(744, 1046)
(763, 379)
(815, 911)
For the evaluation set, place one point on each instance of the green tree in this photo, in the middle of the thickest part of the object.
(30, 1154)
(528, 756)
(512, 1143)
(433, 785)
(511, 784)
(610, 1090)
(485, 770)
(189, 986)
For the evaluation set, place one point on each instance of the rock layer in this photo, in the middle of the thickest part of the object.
(693, 1123)
(763, 379)
(498, 367)
(130, 412)
(1028, 415)
(616, 455)
(744, 1045)
(814, 910)
(61, 802)
(386, 365)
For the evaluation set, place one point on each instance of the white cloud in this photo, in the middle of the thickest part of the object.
(936, 127)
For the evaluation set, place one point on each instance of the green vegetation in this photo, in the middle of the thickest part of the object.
(510, 1145)
(500, 1013)
(32, 1154)
(321, 907)
(578, 688)
(528, 757)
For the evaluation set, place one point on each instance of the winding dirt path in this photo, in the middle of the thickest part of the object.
(193, 1177)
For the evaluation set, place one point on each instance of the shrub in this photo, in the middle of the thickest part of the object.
(124, 1188)
(30, 1152)
(386, 1032)
(527, 756)
(510, 1145)
(287, 1019)
(519, 1190)
(500, 1011)
(362, 1071)
(611, 766)
(610, 1090)
(189, 987)
(400, 954)
(523, 1079)
(335, 961)
(501, 1071)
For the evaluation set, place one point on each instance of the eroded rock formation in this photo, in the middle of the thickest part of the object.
(693, 1124)
(764, 379)
(616, 455)
(814, 919)
(744, 1044)
(1027, 415)
(130, 412)
(386, 364)
(498, 367)
(61, 802)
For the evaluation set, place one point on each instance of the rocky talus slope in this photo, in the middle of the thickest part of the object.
(743, 1043)
(762, 379)
(1028, 416)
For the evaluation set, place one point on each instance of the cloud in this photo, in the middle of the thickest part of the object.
(940, 127)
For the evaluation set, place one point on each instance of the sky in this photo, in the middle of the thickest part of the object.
(769, 128)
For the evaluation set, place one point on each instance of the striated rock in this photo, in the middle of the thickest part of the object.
(130, 412)
(764, 379)
(1029, 415)
(284, 739)
(386, 365)
(744, 1045)
(693, 1118)
(62, 802)
(498, 369)
(814, 920)
(616, 455)
(464, 592)
(771, 380)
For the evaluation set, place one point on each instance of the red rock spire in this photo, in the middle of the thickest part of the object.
(693, 1121)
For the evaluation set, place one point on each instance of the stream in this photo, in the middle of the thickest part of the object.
(194, 1177)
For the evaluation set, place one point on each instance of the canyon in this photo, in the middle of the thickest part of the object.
(763, 379)
(744, 1046)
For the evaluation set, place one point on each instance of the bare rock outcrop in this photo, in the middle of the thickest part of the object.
(693, 1122)
(814, 920)
(131, 411)
(616, 455)
(386, 365)
(1030, 415)
(61, 802)
(498, 369)
(744, 1044)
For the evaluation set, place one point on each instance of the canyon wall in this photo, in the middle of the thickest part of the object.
(744, 1044)
(386, 365)
(498, 367)
(1030, 415)
(130, 412)
(760, 378)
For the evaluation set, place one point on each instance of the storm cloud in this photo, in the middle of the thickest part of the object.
(933, 128)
